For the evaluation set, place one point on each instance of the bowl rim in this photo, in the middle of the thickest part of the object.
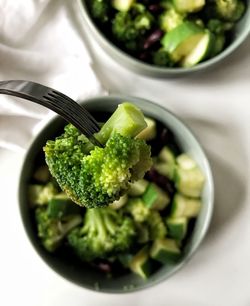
(207, 218)
(148, 69)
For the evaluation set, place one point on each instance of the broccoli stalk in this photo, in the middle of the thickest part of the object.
(93, 176)
(104, 232)
(127, 120)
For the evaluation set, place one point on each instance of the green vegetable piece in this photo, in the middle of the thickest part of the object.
(161, 58)
(190, 6)
(125, 259)
(200, 51)
(140, 263)
(94, 176)
(165, 250)
(182, 42)
(127, 120)
(142, 230)
(177, 227)
(122, 5)
(218, 45)
(189, 179)
(100, 10)
(170, 19)
(155, 198)
(217, 26)
(138, 188)
(61, 206)
(167, 163)
(156, 226)
(104, 233)
(41, 194)
(52, 231)
(129, 26)
(185, 207)
(230, 10)
(149, 132)
(137, 209)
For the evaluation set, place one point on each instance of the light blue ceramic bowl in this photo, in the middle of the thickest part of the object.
(83, 274)
(239, 34)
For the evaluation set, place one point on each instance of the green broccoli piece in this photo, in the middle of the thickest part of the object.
(93, 176)
(170, 19)
(229, 10)
(139, 211)
(162, 58)
(156, 226)
(104, 232)
(129, 26)
(100, 10)
(218, 27)
(41, 194)
(52, 231)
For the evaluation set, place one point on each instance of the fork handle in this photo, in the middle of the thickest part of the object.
(65, 107)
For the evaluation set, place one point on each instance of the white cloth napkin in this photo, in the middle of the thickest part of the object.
(39, 42)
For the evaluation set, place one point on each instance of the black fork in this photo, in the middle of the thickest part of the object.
(70, 110)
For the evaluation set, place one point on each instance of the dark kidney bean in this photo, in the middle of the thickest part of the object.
(155, 8)
(153, 38)
(161, 180)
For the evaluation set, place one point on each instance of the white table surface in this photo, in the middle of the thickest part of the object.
(216, 105)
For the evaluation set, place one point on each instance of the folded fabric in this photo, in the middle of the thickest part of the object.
(39, 42)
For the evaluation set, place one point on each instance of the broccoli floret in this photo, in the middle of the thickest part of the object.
(41, 194)
(100, 9)
(52, 231)
(93, 176)
(229, 10)
(170, 19)
(129, 26)
(156, 226)
(104, 232)
(162, 58)
(219, 27)
(139, 211)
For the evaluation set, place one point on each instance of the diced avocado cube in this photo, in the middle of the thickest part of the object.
(155, 198)
(185, 207)
(61, 206)
(166, 155)
(149, 132)
(142, 231)
(165, 250)
(189, 179)
(138, 188)
(166, 164)
(165, 169)
(177, 227)
(140, 263)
